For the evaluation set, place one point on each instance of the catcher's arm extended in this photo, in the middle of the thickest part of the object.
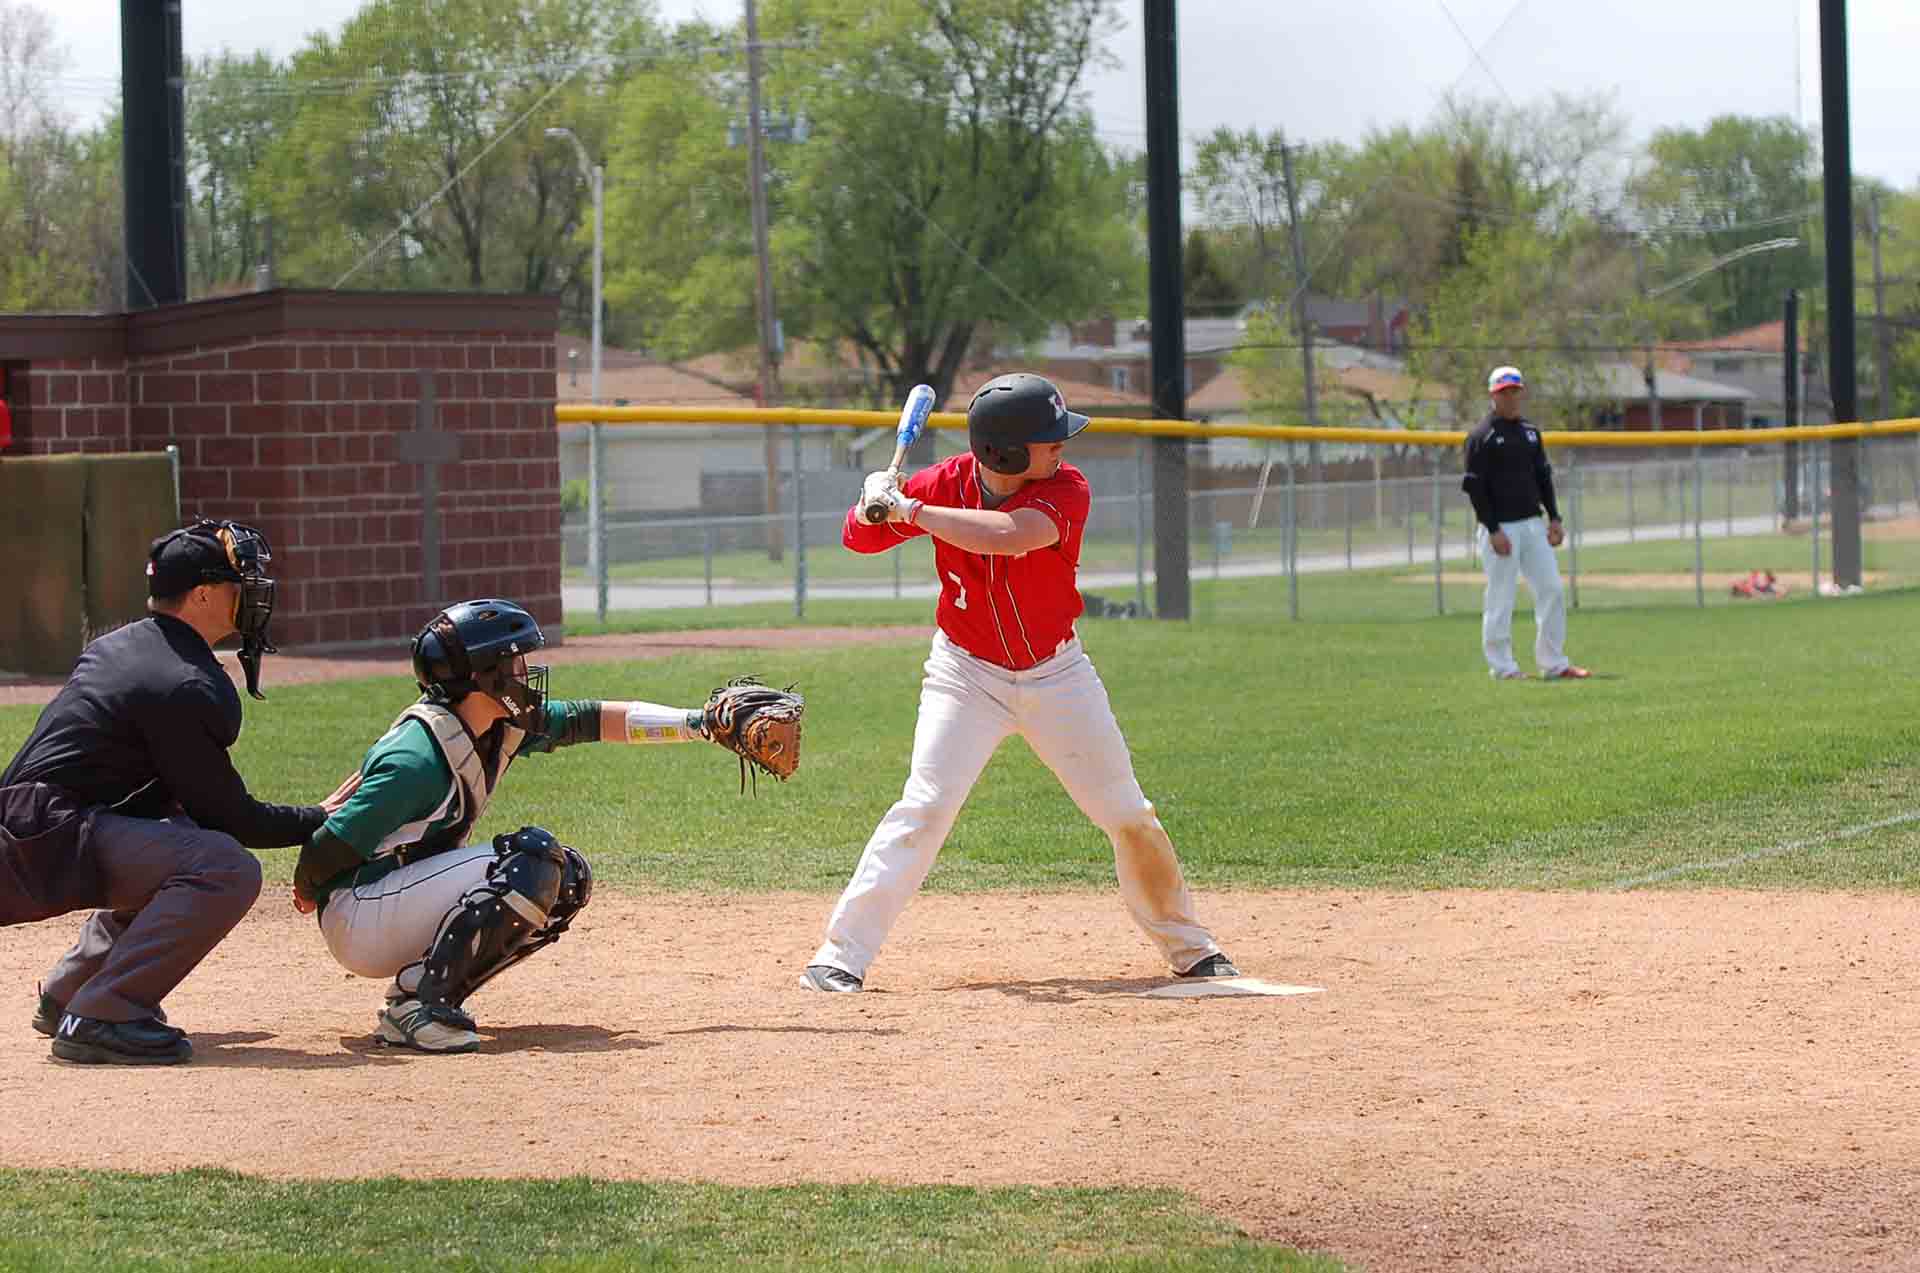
(643, 722)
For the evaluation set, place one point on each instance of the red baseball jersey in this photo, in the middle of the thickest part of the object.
(1010, 611)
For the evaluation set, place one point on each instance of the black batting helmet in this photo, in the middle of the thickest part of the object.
(1012, 411)
(473, 647)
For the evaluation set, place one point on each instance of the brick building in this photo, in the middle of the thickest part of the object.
(302, 413)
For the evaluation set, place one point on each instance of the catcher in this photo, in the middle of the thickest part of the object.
(399, 891)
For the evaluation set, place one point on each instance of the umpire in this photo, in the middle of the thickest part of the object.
(124, 799)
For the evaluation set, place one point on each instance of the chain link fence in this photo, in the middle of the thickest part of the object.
(1386, 533)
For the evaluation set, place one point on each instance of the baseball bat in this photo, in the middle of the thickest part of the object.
(913, 418)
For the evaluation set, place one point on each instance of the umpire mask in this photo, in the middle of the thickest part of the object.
(222, 552)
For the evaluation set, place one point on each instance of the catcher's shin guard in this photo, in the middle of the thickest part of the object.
(535, 886)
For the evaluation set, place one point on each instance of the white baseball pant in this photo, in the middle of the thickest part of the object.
(1533, 557)
(968, 707)
(375, 930)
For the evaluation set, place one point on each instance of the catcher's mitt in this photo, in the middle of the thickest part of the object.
(759, 724)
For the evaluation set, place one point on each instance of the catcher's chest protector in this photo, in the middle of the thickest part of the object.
(473, 781)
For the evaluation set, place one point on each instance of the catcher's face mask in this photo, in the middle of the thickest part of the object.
(503, 675)
(522, 689)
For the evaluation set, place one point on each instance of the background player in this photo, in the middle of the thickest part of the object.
(400, 892)
(1006, 518)
(1509, 481)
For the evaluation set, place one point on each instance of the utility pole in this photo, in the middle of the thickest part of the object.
(1882, 353)
(1653, 384)
(1299, 282)
(1790, 402)
(1173, 588)
(1836, 154)
(757, 187)
(1300, 321)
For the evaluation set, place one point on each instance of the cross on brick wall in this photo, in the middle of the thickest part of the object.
(428, 447)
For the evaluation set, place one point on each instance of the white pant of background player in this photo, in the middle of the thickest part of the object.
(1533, 557)
(968, 707)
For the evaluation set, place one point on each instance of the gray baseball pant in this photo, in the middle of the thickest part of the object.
(170, 891)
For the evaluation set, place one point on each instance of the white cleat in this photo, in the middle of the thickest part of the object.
(412, 1024)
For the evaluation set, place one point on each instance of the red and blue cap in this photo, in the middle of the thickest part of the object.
(1505, 378)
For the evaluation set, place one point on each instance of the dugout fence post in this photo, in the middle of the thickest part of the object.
(1573, 540)
(1812, 483)
(706, 539)
(896, 573)
(173, 461)
(1406, 508)
(1732, 459)
(1292, 539)
(1346, 507)
(799, 533)
(1699, 526)
(1139, 523)
(1439, 533)
(1913, 469)
(597, 516)
(1630, 528)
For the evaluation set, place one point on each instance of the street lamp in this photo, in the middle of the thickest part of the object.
(595, 176)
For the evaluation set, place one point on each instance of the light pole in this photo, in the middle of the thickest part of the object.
(596, 177)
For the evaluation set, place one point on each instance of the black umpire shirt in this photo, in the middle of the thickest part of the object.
(1508, 477)
(146, 719)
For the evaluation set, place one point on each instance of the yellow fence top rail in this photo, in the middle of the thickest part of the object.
(586, 413)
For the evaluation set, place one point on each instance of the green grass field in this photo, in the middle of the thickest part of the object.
(67, 1222)
(1762, 746)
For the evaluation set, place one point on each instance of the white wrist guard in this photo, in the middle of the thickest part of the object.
(654, 723)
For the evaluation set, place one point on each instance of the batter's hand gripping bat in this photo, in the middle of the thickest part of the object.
(913, 418)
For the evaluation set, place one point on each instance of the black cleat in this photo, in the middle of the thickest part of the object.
(830, 979)
(1213, 966)
(46, 1019)
(147, 1042)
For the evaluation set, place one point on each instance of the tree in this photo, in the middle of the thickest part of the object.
(951, 184)
(1708, 192)
(237, 108)
(1269, 364)
(1560, 306)
(1209, 288)
(415, 157)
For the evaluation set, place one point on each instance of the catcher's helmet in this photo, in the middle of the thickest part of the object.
(1013, 410)
(475, 647)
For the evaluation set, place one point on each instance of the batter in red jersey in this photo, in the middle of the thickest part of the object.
(1006, 519)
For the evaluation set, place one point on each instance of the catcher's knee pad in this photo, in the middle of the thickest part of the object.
(535, 886)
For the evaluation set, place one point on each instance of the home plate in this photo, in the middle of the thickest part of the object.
(1227, 986)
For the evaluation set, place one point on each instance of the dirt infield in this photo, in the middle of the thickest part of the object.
(1490, 1080)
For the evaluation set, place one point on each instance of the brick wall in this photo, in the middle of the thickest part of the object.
(286, 407)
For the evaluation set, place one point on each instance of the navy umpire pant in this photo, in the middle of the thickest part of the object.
(169, 892)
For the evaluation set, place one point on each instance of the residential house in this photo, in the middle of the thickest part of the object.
(667, 470)
(1755, 359)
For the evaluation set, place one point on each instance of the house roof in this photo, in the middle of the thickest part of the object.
(653, 383)
(1762, 338)
(1627, 383)
(1088, 397)
(1228, 391)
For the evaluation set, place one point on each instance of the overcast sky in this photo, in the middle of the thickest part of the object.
(1332, 71)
